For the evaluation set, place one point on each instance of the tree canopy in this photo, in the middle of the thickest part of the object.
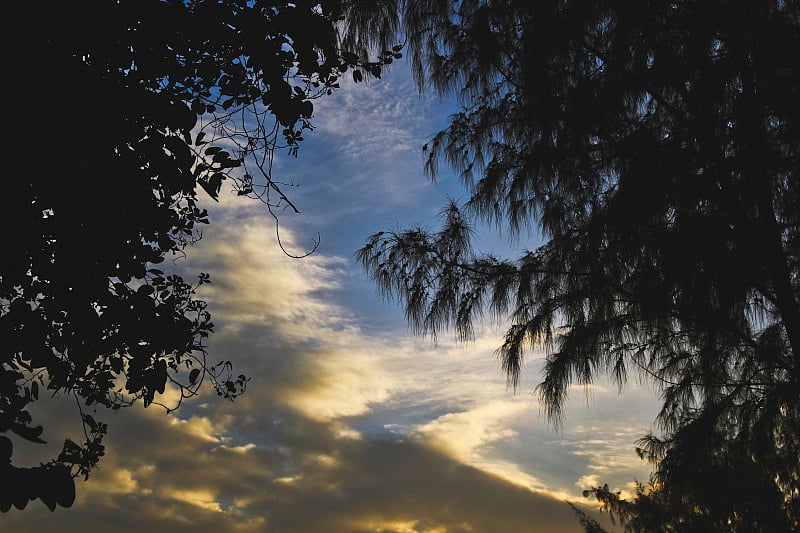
(116, 112)
(654, 145)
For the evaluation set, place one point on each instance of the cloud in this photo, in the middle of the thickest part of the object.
(340, 387)
(588, 481)
(356, 485)
(295, 453)
(465, 433)
(361, 169)
(254, 282)
(469, 434)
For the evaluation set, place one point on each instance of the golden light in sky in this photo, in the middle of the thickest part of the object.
(350, 423)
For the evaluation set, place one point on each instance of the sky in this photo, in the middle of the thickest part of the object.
(350, 423)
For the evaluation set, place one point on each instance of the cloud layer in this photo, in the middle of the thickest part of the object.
(349, 423)
(298, 452)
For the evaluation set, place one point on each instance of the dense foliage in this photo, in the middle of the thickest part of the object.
(115, 112)
(655, 146)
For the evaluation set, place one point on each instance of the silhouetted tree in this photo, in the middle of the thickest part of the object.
(651, 509)
(115, 111)
(655, 146)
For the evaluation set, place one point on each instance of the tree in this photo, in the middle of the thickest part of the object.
(655, 146)
(651, 509)
(118, 111)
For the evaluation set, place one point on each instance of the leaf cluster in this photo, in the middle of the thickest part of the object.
(116, 113)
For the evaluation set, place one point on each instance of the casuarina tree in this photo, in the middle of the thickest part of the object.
(654, 147)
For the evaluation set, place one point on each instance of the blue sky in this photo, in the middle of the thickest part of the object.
(350, 423)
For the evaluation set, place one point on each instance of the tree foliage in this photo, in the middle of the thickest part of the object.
(115, 112)
(654, 508)
(655, 147)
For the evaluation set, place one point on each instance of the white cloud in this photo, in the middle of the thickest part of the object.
(344, 385)
(466, 434)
